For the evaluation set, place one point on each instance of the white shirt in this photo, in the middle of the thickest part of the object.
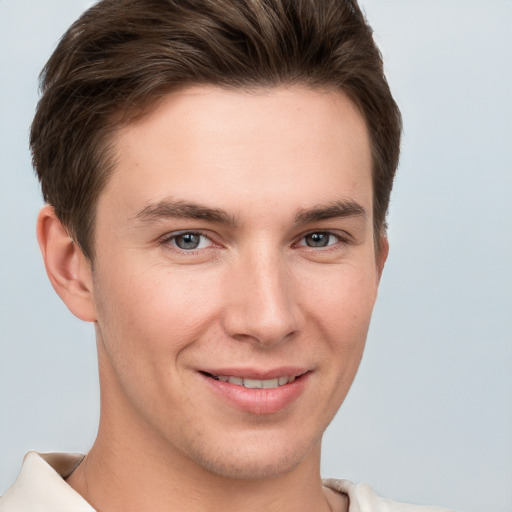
(40, 487)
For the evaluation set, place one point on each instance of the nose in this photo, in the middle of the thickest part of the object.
(261, 303)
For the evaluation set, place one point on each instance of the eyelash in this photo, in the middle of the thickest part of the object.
(170, 241)
(330, 246)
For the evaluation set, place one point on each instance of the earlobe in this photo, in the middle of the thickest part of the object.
(68, 269)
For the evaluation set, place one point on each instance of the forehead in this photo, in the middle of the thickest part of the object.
(270, 146)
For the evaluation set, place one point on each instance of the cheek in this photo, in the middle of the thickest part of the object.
(147, 324)
(151, 315)
(342, 310)
(343, 301)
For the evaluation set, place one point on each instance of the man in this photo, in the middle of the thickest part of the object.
(217, 176)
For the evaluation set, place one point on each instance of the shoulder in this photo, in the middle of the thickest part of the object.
(363, 498)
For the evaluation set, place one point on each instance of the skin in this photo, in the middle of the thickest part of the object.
(265, 171)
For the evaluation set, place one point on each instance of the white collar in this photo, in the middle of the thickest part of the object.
(41, 487)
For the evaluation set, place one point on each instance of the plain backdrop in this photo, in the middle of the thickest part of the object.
(429, 418)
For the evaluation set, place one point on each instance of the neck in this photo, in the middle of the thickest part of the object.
(124, 478)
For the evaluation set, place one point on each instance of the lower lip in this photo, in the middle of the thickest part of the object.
(258, 401)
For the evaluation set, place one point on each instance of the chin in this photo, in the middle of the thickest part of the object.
(252, 469)
(253, 461)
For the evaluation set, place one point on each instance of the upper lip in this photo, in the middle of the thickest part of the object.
(253, 373)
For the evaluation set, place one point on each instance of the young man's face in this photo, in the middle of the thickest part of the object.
(234, 249)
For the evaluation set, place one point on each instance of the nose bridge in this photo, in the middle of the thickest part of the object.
(262, 304)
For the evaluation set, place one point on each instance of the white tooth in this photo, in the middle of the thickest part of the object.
(253, 383)
(270, 383)
(256, 383)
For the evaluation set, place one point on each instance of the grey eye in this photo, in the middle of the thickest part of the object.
(188, 241)
(319, 239)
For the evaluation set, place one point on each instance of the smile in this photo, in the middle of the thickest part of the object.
(255, 383)
(258, 392)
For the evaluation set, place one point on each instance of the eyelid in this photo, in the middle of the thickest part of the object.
(169, 237)
(342, 236)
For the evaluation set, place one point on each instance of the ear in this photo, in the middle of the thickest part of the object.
(382, 255)
(68, 269)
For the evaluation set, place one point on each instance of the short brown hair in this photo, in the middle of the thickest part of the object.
(121, 56)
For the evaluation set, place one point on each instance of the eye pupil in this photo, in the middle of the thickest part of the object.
(317, 239)
(188, 241)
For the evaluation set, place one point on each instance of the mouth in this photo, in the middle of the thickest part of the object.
(252, 383)
(258, 392)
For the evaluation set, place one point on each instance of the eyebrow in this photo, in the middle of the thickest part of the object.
(167, 208)
(336, 209)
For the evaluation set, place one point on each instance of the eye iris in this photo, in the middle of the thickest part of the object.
(188, 241)
(317, 239)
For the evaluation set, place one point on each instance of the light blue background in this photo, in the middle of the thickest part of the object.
(429, 419)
